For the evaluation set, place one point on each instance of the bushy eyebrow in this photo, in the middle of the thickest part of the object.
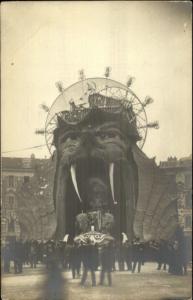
(109, 125)
(109, 128)
(114, 130)
(69, 132)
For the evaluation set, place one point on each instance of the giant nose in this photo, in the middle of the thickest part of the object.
(88, 140)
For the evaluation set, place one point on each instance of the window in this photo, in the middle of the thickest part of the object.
(188, 221)
(11, 181)
(11, 225)
(180, 178)
(11, 202)
(26, 179)
(188, 180)
(189, 200)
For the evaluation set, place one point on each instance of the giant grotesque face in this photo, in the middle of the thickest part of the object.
(95, 170)
(100, 167)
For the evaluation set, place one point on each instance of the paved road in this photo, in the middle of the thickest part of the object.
(148, 285)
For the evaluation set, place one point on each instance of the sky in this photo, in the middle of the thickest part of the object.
(45, 42)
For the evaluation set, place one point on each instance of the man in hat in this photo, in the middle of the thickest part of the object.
(75, 260)
(106, 258)
(18, 256)
(6, 254)
(88, 259)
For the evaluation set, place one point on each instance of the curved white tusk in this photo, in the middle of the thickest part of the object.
(73, 175)
(65, 239)
(125, 238)
(111, 177)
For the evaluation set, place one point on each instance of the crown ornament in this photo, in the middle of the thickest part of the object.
(101, 94)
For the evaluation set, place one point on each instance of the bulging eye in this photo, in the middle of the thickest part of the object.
(73, 136)
(103, 135)
(70, 137)
(111, 134)
(106, 135)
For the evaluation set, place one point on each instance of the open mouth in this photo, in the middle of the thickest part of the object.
(89, 186)
(87, 169)
(93, 184)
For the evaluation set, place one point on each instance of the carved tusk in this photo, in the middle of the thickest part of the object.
(111, 177)
(73, 175)
(125, 238)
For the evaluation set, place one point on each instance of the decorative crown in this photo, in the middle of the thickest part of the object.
(97, 101)
(99, 94)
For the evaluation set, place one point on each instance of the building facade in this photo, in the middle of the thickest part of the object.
(14, 171)
(25, 203)
(181, 170)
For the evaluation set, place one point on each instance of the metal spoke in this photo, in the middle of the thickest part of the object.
(144, 120)
(52, 127)
(137, 103)
(113, 94)
(49, 137)
(52, 123)
(132, 99)
(49, 131)
(138, 123)
(119, 92)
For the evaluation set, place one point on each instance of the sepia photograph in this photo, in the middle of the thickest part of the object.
(96, 150)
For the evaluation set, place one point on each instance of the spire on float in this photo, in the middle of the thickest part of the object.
(107, 72)
(59, 85)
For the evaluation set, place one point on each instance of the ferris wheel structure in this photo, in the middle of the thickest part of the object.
(75, 100)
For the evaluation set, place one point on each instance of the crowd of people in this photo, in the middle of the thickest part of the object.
(82, 258)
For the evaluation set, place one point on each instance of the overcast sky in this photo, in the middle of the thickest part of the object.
(43, 43)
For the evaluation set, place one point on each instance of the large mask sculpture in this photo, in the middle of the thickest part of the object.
(102, 178)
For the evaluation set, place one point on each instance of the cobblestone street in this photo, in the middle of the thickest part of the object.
(148, 285)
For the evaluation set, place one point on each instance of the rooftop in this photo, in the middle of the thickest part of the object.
(18, 163)
(173, 162)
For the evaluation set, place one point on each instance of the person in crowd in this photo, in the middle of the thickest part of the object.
(33, 253)
(176, 266)
(170, 257)
(120, 256)
(137, 255)
(146, 254)
(106, 262)
(18, 256)
(67, 250)
(88, 259)
(113, 253)
(153, 251)
(6, 254)
(128, 255)
(44, 249)
(61, 248)
(75, 260)
(183, 252)
(162, 255)
(40, 249)
(26, 252)
(51, 255)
